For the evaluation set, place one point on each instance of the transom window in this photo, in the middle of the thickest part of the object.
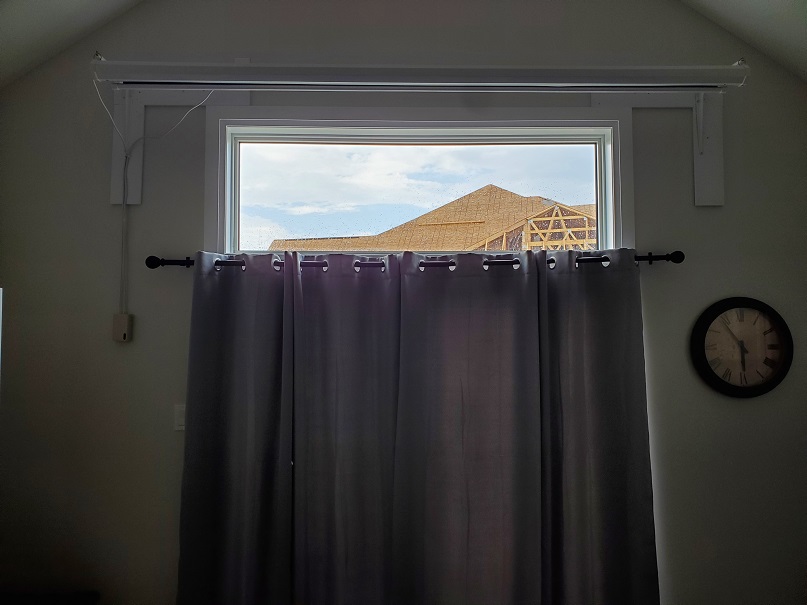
(408, 187)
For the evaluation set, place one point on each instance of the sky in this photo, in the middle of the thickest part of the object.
(293, 190)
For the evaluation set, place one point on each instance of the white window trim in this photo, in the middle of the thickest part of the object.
(707, 135)
(707, 126)
(610, 128)
(137, 84)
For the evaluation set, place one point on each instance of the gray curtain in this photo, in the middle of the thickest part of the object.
(462, 434)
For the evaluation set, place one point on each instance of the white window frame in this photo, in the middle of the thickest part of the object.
(610, 129)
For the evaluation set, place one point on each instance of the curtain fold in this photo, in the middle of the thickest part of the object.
(467, 435)
(599, 532)
(235, 525)
(346, 341)
(467, 467)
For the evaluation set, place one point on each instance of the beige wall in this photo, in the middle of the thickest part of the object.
(89, 465)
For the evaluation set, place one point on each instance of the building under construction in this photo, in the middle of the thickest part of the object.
(490, 218)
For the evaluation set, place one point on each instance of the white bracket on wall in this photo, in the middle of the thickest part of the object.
(130, 112)
(698, 123)
(707, 134)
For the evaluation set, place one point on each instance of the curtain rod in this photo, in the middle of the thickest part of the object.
(677, 257)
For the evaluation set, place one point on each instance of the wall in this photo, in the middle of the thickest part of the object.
(89, 465)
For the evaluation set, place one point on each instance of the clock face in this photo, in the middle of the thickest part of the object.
(741, 347)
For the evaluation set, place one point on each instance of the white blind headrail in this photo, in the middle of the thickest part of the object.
(131, 74)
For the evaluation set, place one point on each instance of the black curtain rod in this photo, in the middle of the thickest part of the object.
(152, 262)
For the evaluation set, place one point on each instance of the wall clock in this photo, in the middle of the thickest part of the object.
(741, 347)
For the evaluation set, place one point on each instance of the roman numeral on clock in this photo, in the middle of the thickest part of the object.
(769, 362)
(727, 375)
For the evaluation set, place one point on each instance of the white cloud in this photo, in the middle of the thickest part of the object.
(256, 233)
(304, 179)
(320, 209)
(327, 178)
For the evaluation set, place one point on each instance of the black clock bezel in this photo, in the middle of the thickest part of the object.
(698, 353)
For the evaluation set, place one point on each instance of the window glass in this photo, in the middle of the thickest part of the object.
(326, 196)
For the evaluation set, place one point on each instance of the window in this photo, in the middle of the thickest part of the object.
(386, 185)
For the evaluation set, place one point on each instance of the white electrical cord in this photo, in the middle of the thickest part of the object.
(123, 294)
(182, 119)
(111, 119)
(170, 130)
(163, 135)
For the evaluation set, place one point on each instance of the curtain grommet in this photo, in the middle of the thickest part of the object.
(451, 264)
(515, 263)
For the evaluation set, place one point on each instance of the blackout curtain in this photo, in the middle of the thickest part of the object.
(445, 434)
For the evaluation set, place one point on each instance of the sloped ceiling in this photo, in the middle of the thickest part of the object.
(32, 31)
(776, 27)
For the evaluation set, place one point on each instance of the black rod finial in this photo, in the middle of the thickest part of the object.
(152, 262)
(677, 257)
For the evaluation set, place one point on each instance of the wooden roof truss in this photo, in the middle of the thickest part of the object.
(557, 228)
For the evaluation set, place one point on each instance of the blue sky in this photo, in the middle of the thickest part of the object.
(318, 190)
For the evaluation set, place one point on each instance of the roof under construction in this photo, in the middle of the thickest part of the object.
(490, 218)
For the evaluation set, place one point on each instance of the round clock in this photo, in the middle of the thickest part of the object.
(741, 347)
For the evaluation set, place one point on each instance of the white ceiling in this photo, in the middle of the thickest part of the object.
(32, 31)
(776, 27)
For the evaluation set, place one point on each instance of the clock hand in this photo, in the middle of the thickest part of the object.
(734, 336)
(743, 352)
